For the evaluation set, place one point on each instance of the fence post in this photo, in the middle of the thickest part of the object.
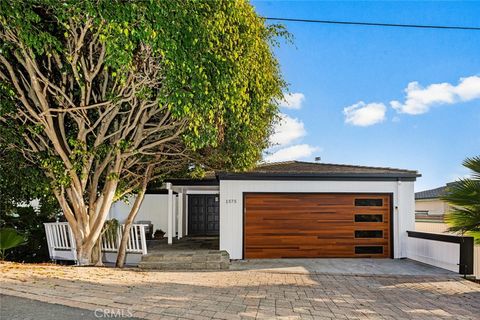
(118, 238)
(143, 239)
(48, 232)
(73, 243)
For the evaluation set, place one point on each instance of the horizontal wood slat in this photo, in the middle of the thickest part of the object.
(278, 225)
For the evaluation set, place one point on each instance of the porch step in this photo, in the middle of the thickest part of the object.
(186, 260)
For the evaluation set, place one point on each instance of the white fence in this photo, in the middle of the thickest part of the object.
(442, 228)
(62, 246)
(440, 254)
(454, 253)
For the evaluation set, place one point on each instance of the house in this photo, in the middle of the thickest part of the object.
(428, 202)
(430, 210)
(290, 209)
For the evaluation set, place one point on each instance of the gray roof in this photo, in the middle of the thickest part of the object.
(433, 193)
(430, 194)
(315, 170)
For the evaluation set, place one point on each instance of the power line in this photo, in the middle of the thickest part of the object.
(375, 24)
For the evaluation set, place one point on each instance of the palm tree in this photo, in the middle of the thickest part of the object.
(464, 199)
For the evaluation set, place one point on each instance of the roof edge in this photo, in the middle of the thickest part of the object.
(266, 164)
(319, 176)
(427, 198)
(194, 182)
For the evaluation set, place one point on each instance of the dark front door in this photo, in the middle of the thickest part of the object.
(203, 214)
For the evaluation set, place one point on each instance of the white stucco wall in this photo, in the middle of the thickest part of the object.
(433, 206)
(231, 205)
(153, 208)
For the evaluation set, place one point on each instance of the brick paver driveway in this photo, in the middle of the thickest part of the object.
(248, 294)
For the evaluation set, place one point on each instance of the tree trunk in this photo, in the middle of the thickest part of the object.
(87, 235)
(88, 255)
(97, 253)
(84, 255)
(122, 249)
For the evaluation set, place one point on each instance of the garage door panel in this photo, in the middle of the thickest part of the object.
(300, 215)
(298, 230)
(303, 225)
(312, 242)
(378, 242)
(298, 241)
(292, 199)
(299, 253)
(264, 213)
(316, 218)
(370, 211)
(316, 225)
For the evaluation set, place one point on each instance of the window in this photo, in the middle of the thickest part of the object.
(368, 234)
(368, 218)
(368, 250)
(368, 202)
(421, 212)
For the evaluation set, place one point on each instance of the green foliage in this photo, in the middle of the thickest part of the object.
(110, 230)
(9, 238)
(22, 182)
(464, 197)
(29, 222)
(94, 92)
(218, 71)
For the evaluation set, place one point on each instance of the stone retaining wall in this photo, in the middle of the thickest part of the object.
(194, 260)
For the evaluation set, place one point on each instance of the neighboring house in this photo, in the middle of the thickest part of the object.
(428, 202)
(290, 209)
(430, 210)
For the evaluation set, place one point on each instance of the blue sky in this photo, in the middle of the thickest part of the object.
(344, 81)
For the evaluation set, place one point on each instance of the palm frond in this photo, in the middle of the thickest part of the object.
(474, 234)
(464, 198)
(473, 164)
(463, 219)
(464, 192)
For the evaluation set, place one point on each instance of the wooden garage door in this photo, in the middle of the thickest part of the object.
(280, 225)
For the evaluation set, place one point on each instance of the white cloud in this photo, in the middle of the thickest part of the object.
(361, 114)
(294, 152)
(292, 100)
(420, 99)
(287, 130)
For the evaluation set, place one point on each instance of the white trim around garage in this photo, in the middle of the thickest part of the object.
(231, 205)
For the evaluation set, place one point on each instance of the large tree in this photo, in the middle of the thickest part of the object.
(109, 94)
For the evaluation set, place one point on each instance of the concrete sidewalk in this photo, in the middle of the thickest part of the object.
(353, 266)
